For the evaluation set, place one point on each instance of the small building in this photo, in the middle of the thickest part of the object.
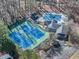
(4, 55)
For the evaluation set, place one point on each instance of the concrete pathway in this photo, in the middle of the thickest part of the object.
(75, 55)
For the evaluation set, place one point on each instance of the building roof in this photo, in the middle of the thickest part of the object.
(2, 53)
(6, 56)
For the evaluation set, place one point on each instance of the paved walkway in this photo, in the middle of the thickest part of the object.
(75, 55)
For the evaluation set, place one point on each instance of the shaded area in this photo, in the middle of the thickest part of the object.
(10, 48)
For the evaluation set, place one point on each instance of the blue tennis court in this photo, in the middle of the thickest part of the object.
(32, 31)
(52, 16)
(28, 35)
(20, 39)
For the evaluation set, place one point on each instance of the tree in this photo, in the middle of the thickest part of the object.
(3, 29)
(6, 44)
(9, 47)
(9, 10)
(29, 54)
